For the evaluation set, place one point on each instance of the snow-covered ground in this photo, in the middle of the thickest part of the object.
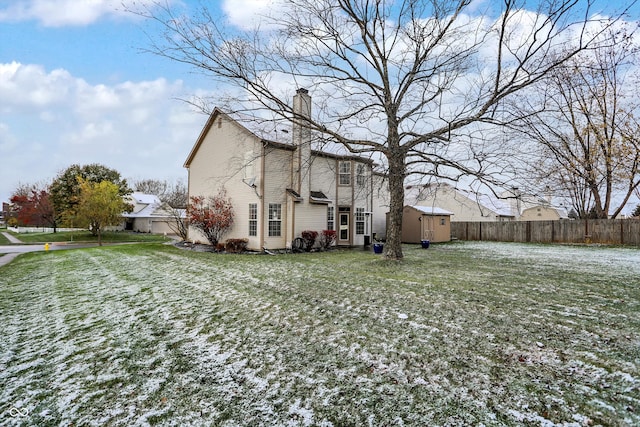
(461, 334)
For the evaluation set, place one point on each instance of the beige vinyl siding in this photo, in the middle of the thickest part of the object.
(344, 197)
(323, 176)
(362, 200)
(310, 217)
(463, 208)
(277, 178)
(362, 197)
(539, 213)
(161, 226)
(261, 172)
(223, 159)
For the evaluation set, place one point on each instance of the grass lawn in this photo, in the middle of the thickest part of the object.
(3, 240)
(86, 236)
(460, 334)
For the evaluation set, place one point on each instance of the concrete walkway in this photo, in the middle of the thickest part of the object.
(12, 251)
(6, 259)
(11, 238)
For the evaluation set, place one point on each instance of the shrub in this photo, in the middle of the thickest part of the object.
(327, 239)
(309, 237)
(236, 245)
(212, 216)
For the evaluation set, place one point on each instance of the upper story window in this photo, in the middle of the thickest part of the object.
(360, 174)
(344, 173)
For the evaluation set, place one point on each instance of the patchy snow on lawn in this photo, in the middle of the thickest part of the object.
(464, 334)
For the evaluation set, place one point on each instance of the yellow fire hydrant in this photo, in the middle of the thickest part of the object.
(46, 246)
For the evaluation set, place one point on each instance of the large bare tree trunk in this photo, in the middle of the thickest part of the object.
(393, 246)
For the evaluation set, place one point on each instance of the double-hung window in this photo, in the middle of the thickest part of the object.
(275, 219)
(331, 211)
(253, 219)
(360, 174)
(344, 172)
(359, 220)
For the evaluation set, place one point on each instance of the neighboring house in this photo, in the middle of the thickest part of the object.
(150, 214)
(425, 223)
(533, 208)
(280, 188)
(472, 206)
(465, 205)
(7, 213)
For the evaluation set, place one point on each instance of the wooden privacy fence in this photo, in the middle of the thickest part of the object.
(605, 231)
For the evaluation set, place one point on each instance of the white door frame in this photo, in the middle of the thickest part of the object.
(344, 227)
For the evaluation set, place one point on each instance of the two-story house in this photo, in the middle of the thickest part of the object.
(279, 188)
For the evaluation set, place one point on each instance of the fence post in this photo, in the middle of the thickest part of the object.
(587, 237)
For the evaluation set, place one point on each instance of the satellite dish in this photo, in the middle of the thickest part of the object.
(251, 182)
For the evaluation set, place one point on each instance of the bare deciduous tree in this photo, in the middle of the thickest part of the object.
(151, 186)
(174, 197)
(178, 223)
(586, 127)
(174, 194)
(409, 82)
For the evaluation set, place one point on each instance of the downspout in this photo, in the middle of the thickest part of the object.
(352, 213)
(261, 228)
(370, 216)
(186, 211)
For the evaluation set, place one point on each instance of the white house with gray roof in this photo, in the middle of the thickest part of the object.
(150, 214)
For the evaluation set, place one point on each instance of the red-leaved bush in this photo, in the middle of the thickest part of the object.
(212, 216)
(309, 237)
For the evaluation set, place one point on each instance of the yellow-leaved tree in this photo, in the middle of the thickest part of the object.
(100, 205)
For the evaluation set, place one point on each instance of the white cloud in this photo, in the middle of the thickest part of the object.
(31, 87)
(247, 14)
(59, 13)
(51, 119)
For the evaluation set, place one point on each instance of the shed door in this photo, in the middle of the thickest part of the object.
(428, 229)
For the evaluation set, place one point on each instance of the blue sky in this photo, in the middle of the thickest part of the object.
(76, 88)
